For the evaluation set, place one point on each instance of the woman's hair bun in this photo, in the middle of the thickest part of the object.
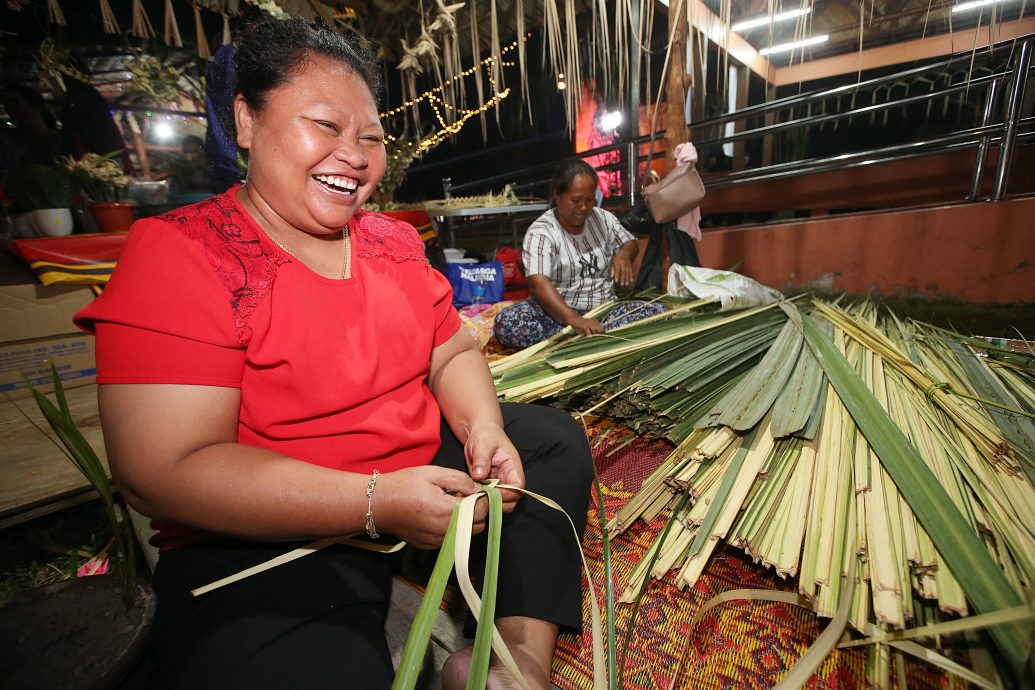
(271, 50)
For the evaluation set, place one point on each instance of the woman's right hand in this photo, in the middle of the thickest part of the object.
(586, 326)
(412, 504)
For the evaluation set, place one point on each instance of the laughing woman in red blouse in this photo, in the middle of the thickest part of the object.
(267, 355)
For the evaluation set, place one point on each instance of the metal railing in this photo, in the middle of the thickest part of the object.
(1004, 131)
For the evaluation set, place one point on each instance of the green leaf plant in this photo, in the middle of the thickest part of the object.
(72, 443)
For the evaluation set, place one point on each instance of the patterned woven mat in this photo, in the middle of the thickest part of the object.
(739, 644)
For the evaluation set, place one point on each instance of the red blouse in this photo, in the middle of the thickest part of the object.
(331, 372)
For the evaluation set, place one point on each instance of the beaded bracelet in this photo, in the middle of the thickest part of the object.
(371, 530)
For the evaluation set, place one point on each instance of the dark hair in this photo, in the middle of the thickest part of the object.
(566, 172)
(270, 51)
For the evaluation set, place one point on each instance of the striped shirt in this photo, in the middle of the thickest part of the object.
(579, 266)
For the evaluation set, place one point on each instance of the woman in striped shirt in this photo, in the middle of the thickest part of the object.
(573, 256)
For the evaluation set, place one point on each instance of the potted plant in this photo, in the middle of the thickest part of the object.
(106, 186)
(45, 194)
(86, 632)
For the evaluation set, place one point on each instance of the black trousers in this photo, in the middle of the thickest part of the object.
(318, 622)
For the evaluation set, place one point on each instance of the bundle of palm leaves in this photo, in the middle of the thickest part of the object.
(824, 440)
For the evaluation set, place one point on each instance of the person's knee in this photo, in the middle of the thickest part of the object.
(513, 328)
(554, 435)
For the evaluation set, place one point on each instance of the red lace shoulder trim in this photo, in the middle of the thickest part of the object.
(232, 247)
(380, 237)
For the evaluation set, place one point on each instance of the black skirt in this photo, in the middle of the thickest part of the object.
(319, 621)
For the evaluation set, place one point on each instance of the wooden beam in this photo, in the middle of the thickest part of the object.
(675, 96)
(900, 53)
(707, 22)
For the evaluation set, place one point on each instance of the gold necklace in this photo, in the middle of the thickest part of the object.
(346, 241)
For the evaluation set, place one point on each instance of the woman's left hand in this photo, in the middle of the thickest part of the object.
(491, 455)
(622, 270)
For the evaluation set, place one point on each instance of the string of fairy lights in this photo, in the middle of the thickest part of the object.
(438, 104)
(487, 62)
(432, 96)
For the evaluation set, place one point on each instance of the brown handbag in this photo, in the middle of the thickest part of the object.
(679, 192)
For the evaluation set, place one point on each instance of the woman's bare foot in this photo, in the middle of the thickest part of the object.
(530, 642)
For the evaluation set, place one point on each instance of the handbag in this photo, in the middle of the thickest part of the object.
(679, 192)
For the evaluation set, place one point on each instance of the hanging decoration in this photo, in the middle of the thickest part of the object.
(445, 26)
(415, 140)
(271, 8)
(111, 24)
(172, 29)
(199, 35)
(142, 27)
(54, 13)
(226, 29)
(571, 57)
(476, 49)
(411, 65)
(495, 74)
(451, 115)
(601, 40)
(555, 60)
(153, 80)
(451, 118)
(56, 63)
(521, 57)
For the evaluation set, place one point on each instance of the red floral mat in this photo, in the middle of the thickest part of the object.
(739, 644)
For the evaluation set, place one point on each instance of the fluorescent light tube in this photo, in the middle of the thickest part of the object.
(973, 5)
(785, 47)
(762, 21)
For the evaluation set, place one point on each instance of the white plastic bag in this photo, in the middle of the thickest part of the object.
(733, 290)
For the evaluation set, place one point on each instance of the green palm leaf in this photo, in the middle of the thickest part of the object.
(964, 554)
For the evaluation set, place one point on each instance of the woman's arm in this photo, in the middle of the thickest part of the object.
(461, 383)
(545, 292)
(622, 263)
(174, 455)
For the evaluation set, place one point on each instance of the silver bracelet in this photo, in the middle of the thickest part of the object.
(371, 530)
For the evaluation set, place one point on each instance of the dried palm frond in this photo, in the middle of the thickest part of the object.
(142, 27)
(54, 13)
(172, 29)
(806, 439)
(199, 35)
(108, 20)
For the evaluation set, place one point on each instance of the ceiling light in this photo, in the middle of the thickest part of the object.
(762, 21)
(164, 131)
(974, 4)
(786, 47)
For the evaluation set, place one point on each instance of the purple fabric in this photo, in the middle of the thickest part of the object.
(527, 323)
(220, 138)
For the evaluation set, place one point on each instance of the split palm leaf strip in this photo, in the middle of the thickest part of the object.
(964, 554)
(806, 440)
(408, 672)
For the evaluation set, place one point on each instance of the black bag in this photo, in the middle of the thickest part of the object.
(681, 248)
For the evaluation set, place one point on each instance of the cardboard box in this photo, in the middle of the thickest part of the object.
(36, 328)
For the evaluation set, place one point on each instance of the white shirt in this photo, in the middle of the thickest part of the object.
(579, 266)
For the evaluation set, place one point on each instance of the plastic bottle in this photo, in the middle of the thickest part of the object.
(479, 292)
